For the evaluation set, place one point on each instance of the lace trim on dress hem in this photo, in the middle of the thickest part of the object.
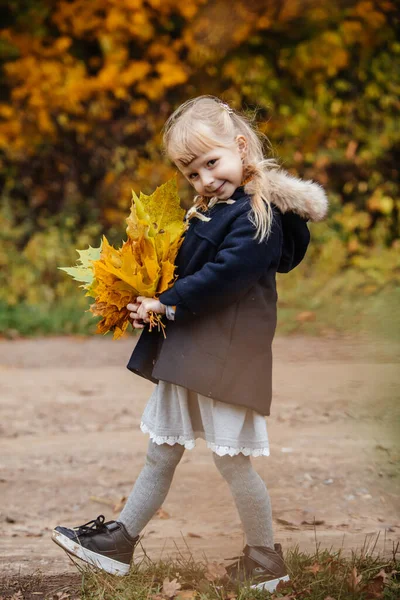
(190, 444)
(168, 439)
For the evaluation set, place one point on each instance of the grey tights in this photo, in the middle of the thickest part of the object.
(248, 489)
(151, 487)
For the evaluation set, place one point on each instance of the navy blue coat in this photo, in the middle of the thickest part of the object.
(225, 296)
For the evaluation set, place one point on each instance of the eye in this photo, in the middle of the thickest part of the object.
(212, 162)
(192, 176)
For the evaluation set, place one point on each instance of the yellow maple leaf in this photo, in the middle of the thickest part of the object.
(143, 266)
(158, 213)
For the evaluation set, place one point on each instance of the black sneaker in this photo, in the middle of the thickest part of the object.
(107, 546)
(263, 568)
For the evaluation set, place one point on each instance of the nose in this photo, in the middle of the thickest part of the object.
(207, 180)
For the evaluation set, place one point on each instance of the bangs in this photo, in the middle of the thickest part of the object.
(188, 141)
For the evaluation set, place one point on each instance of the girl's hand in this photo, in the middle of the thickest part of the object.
(141, 308)
(149, 305)
(136, 320)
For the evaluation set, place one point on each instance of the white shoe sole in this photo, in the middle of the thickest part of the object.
(270, 586)
(97, 560)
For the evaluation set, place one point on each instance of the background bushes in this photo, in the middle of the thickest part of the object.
(87, 86)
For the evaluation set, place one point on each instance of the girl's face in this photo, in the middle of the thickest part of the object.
(217, 172)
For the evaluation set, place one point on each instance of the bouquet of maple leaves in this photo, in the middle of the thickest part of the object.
(143, 266)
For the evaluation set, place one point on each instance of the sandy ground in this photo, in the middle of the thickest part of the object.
(71, 448)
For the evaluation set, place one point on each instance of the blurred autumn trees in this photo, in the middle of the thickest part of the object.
(86, 87)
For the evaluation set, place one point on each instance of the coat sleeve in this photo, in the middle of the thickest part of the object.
(238, 265)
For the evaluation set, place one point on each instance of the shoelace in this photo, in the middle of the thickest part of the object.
(94, 525)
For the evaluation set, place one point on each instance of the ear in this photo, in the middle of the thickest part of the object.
(241, 144)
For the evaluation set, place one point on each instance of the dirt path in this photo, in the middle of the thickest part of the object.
(71, 448)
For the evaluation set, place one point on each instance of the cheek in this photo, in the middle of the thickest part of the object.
(196, 186)
(236, 169)
(240, 169)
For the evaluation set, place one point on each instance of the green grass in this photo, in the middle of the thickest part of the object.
(67, 316)
(318, 575)
(313, 576)
(376, 314)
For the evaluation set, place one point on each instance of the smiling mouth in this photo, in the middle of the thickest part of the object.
(219, 189)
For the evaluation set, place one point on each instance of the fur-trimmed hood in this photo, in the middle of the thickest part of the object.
(291, 194)
(298, 202)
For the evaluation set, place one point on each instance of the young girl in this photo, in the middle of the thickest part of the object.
(213, 369)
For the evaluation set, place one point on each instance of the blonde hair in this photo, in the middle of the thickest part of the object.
(205, 122)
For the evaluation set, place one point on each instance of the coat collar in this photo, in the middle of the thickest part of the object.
(288, 193)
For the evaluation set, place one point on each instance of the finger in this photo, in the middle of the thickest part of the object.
(134, 315)
(142, 313)
(132, 306)
(141, 298)
(138, 324)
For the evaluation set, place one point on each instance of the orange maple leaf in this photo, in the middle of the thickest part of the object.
(143, 266)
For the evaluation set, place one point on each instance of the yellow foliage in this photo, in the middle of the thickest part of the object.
(322, 53)
(352, 219)
(380, 202)
(89, 85)
(171, 73)
(366, 11)
(139, 107)
(143, 266)
(48, 80)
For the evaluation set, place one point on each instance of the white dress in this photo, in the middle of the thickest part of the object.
(176, 415)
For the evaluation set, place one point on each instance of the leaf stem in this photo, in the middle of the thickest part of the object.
(156, 321)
